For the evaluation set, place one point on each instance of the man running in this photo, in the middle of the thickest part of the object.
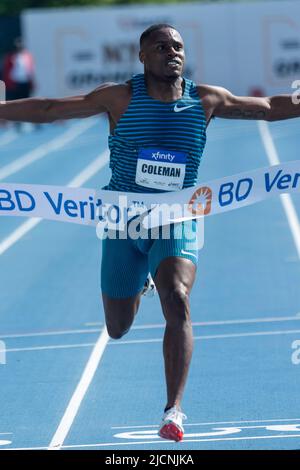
(158, 112)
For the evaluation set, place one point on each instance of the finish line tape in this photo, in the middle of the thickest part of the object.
(114, 209)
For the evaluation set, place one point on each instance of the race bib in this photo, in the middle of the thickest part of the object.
(161, 169)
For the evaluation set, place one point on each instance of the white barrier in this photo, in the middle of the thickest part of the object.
(89, 206)
(249, 48)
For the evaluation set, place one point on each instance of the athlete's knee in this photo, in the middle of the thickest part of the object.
(115, 332)
(119, 315)
(118, 322)
(176, 305)
(176, 295)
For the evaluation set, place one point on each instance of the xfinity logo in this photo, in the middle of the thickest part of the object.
(163, 156)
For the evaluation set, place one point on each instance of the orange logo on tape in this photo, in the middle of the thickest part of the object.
(203, 205)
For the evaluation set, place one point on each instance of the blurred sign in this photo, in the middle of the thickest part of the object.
(242, 47)
(77, 49)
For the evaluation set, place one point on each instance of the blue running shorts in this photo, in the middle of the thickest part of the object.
(127, 262)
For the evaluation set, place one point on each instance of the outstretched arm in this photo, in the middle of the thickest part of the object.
(42, 110)
(220, 102)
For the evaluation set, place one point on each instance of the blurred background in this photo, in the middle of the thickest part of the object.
(250, 47)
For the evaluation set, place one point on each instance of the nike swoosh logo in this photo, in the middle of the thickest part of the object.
(188, 253)
(182, 108)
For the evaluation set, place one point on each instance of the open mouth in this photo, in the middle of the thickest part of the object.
(173, 63)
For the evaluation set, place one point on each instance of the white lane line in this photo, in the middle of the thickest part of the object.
(25, 448)
(91, 170)
(144, 327)
(212, 423)
(163, 441)
(217, 423)
(231, 335)
(286, 199)
(256, 333)
(54, 346)
(227, 322)
(79, 394)
(45, 149)
(12, 134)
(158, 441)
(18, 234)
(214, 322)
(50, 333)
(149, 341)
(79, 180)
(8, 137)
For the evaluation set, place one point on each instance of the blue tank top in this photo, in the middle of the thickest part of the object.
(157, 146)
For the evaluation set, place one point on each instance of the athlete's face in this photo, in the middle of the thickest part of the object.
(163, 54)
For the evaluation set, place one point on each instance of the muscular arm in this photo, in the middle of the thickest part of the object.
(220, 102)
(44, 110)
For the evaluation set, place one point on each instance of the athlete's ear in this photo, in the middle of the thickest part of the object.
(142, 56)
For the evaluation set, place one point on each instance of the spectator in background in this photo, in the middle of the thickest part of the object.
(18, 72)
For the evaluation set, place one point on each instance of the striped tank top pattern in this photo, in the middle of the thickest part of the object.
(149, 123)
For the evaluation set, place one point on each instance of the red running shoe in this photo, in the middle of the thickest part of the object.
(171, 427)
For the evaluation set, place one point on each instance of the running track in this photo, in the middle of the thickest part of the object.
(65, 386)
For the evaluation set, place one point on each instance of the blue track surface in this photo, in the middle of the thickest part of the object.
(243, 389)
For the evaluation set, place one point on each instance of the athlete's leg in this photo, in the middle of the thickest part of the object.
(174, 280)
(173, 260)
(124, 270)
(119, 314)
